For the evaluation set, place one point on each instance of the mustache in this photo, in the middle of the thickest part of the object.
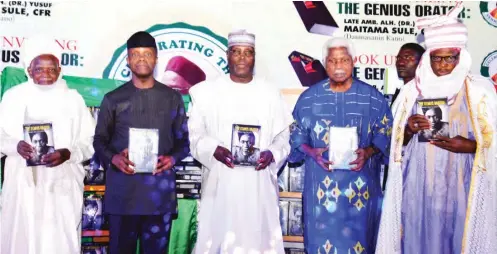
(339, 72)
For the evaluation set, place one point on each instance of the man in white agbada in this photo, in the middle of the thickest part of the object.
(239, 210)
(441, 196)
(42, 205)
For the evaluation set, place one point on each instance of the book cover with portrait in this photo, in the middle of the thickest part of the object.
(437, 113)
(295, 220)
(93, 218)
(40, 137)
(143, 149)
(245, 144)
(297, 175)
(94, 171)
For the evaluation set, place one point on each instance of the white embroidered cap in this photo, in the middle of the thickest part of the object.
(241, 38)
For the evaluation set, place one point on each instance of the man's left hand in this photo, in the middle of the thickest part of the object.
(456, 144)
(363, 154)
(165, 163)
(265, 158)
(56, 158)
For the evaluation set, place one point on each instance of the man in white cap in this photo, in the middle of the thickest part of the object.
(239, 206)
(342, 197)
(441, 195)
(42, 205)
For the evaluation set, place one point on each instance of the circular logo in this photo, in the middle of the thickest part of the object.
(187, 55)
(488, 10)
(489, 67)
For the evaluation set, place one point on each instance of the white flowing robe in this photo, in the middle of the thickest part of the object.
(239, 210)
(480, 230)
(41, 206)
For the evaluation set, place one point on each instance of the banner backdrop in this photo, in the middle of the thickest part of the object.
(289, 35)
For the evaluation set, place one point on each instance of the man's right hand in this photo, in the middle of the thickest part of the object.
(24, 149)
(418, 122)
(122, 162)
(224, 156)
(317, 155)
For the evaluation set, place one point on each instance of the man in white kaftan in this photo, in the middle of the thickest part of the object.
(239, 210)
(441, 195)
(42, 205)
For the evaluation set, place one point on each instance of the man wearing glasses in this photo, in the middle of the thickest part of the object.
(441, 195)
(239, 206)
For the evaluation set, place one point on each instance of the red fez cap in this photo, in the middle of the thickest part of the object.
(186, 69)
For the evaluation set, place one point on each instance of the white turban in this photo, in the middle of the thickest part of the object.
(241, 38)
(443, 31)
(39, 45)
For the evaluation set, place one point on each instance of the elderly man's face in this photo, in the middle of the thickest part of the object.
(246, 143)
(142, 61)
(443, 61)
(339, 64)
(241, 61)
(39, 143)
(175, 81)
(44, 70)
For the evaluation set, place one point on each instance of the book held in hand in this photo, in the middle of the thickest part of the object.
(143, 149)
(245, 141)
(40, 137)
(437, 113)
(343, 143)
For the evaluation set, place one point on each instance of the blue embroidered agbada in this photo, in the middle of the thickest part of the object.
(341, 208)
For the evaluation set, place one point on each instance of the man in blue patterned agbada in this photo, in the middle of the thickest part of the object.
(341, 206)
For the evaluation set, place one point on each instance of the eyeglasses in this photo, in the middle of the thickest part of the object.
(446, 59)
(238, 53)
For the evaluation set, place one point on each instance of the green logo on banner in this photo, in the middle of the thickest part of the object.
(488, 10)
(489, 66)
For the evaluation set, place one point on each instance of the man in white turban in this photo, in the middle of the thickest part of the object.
(42, 204)
(239, 206)
(441, 195)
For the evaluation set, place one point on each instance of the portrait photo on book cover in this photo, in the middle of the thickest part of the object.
(245, 144)
(92, 213)
(436, 111)
(40, 137)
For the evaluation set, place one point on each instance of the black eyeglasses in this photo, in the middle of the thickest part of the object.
(446, 59)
